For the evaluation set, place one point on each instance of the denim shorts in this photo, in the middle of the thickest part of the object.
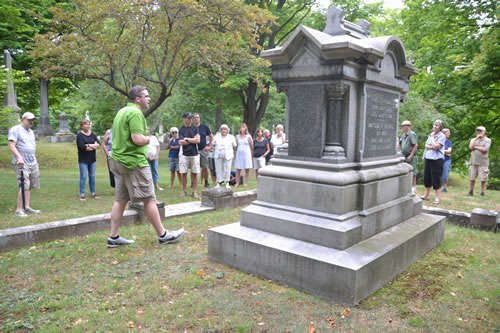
(173, 164)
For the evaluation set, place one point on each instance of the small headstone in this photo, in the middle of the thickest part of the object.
(44, 126)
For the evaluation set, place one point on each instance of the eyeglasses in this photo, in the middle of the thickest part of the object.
(174, 132)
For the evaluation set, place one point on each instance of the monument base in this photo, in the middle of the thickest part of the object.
(60, 138)
(347, 276)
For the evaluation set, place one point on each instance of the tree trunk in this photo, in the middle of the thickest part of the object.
(218, 114)
(254, 107)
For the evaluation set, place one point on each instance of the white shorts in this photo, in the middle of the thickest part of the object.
(189, 162)
(259, 162)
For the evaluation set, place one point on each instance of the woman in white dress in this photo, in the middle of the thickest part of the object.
(278, 139)
(223, 146)
(244, 154)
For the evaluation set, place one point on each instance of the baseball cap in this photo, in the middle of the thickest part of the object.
(406, 123)
(481, 128)
(29, 115)
(187, 115)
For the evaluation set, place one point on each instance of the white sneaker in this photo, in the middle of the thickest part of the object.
(119, 241)
(20, 213)
(217, 186)
(32, 211)
(228, 186)
(171, 236)
(414, 189)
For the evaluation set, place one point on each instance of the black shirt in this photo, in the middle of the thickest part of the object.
(204, 131)
(189, 133)
(82, 140)
(259, 148)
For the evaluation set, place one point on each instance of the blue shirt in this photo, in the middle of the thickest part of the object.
(174, 153)
(447, 145)
(433, 154)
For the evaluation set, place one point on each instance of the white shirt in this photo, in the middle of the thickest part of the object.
(25, 143)
(153, 146)
(224, 146)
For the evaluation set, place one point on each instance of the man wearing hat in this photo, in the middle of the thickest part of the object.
(479, 161)
(189, 137)
(409, 145)
(22, 144)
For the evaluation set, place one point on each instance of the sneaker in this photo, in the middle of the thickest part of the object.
(414, 189)
(95, 196)
(227, 186)
(470, 194)
(119, 241)
(444, 190)
(20, 213)
(195, 195)
(32, 211)
(183, 194)
(207, 184)
(217, 186)
(171, 236)
(482, 194)
(159, 188)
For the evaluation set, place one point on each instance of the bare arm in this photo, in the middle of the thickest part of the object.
(413, 152)
(140, 139)
(13, 149)
(105, 142)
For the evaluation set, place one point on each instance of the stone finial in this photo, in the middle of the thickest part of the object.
(365, 25)
(334, 21)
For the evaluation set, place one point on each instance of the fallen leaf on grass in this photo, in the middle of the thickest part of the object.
(311, 328)
(201, 272)
(460, 275)
(390, 320)
(131, 324)
(79, 250)
(261, 324)
(453, 294)
(116, 262)
(346, 313)
(140, 311)
(331, 321)
(78, 321)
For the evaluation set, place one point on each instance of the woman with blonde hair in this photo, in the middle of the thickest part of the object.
(223, 146)
(244, 153)
(278, 139)
(87, 143)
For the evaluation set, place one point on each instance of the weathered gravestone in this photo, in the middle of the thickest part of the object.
(10, 100)
(44, 126)
(64, 134)
(334, 215)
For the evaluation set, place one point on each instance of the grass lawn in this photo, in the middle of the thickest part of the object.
(77, 284)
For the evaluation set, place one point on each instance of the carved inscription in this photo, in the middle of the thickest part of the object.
(381, 123)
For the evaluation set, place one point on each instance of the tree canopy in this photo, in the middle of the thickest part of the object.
(152, 42)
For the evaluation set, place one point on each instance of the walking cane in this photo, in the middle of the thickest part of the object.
(22, 189)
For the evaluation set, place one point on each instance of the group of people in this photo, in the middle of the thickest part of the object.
(437, 158)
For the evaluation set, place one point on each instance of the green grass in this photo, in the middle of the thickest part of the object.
(58, 196)
(77, 284)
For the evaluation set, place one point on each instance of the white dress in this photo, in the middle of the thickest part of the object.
(243, 154)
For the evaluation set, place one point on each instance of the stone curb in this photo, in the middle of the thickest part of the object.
(480, 218)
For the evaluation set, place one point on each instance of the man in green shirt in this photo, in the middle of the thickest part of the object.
(132, 173)
(409, 145)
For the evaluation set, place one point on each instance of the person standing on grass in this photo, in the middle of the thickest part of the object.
(107, 146)
(189, 138)
(204, 147)
(447, 160)
(409, 145)
(433, 161)
(260, 151)
(131, 169)
(173, 156)
(153, 155)
(267, 136)
(479, 160)
(87, 143)
(224, 145)
(22, 144)
(244, 152)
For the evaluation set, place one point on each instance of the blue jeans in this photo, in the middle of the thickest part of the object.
(446, 170)
(153, 165)
(84, 167)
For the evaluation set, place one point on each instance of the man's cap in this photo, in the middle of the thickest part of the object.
(29, 115)
(187, 115)
(481, 128)
(406, 123)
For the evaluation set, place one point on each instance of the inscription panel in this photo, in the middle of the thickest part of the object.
(380, 123)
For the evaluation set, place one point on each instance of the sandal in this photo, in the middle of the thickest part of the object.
(196, 196)
(82, 198)
(436, 202)
(183, 195)
(424, 198)
(95, 196)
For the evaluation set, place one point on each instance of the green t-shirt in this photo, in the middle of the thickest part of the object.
(128, 121)
(407, 142)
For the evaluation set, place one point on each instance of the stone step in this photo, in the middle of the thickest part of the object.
(347, 276)
(326, 229)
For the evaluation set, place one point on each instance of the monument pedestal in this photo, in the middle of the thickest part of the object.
(334, 214)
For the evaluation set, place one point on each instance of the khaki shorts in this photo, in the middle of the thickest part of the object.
(132, 184)
(478, 170)
(31, 175)
(189, 162)
(204, 159)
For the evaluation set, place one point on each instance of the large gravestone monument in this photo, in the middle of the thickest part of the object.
(44, 126)
(334, 214)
